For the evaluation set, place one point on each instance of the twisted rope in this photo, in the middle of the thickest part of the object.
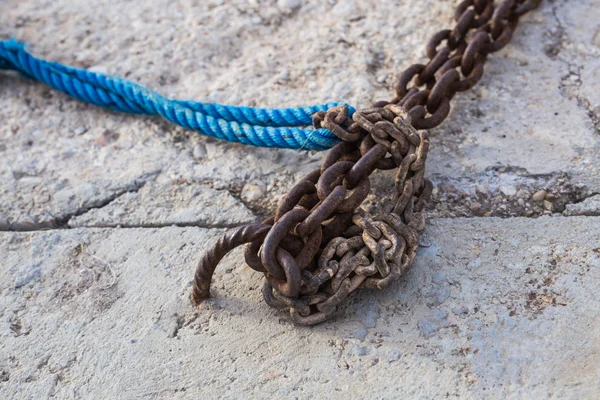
(265, 127)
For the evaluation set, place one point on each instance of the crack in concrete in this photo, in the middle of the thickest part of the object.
(131, 226)
(62, 222)
(499, 191)
(165, 225)
(505, 192)
(228, 226)
(571, 82)
(583, 207)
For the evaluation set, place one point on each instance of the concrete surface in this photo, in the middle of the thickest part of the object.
(114, 210)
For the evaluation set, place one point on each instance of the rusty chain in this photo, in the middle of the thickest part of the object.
(320, 246)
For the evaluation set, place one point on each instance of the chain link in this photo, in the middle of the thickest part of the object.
(321, 246)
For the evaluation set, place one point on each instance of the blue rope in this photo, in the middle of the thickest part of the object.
(266, 127)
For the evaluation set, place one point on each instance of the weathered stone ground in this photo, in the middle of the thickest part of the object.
(104, 215)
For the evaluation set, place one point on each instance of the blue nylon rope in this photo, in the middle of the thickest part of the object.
(265, 127)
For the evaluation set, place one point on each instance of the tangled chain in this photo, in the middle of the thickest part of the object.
(320, 246)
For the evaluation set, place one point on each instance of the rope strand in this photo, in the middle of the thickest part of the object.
(265, 127)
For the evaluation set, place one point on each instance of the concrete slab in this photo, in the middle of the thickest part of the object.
(493, 308)
(97, 306)
(533, 112)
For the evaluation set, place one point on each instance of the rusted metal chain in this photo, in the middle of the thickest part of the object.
(321, 246)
